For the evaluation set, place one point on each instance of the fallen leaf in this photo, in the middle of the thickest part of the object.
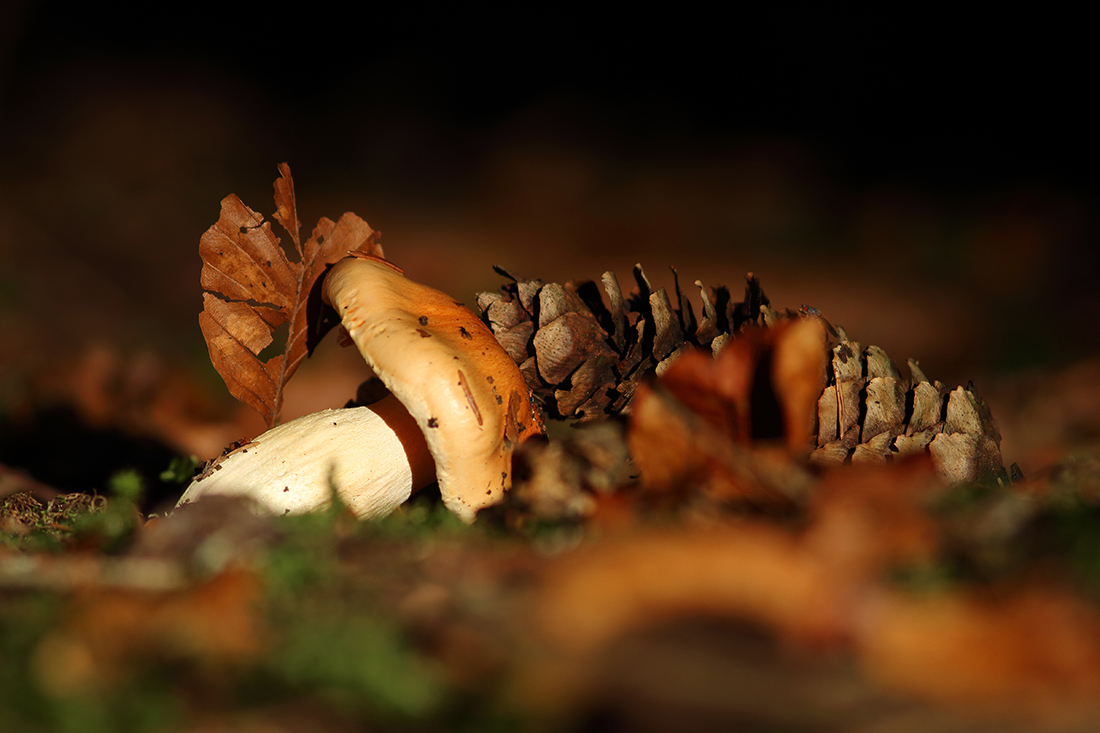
(751, 571)
(251, 288)
(110, 630)
(1035, 650)
(728, 428)
(866, 519)
(763, 384)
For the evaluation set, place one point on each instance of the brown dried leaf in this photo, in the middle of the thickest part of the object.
(754, 572)
(1036, 651)
(681, 456)
(252, 288)
(673, 446)
(763, 384)
(865, 519)
(798, 376)
(286, 212)
(807, 586)
(110, 631)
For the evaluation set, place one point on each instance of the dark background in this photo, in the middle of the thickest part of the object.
(926, 181)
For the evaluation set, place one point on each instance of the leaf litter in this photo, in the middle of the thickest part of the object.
(635, 551)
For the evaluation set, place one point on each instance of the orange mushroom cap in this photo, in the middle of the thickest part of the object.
(447, 369)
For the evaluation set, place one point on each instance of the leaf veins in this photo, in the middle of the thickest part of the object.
(251, 287)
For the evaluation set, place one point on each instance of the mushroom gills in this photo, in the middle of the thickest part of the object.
(373, 457)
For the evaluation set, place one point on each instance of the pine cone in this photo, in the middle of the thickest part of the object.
(584, 360)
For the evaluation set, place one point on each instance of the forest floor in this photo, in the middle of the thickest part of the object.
(877, 600)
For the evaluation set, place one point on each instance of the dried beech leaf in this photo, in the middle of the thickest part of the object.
(1038, 650)
(242, 259)
(673, 446)
(252, 287)
(764, 384)
(727, 428)
(806, 586)
(111, 631)
(612, 588)
(798, 375)
(715, 390)
(286, 207)
(234, 335)
(678, 453)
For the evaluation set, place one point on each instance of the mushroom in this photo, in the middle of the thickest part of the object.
(458, 408)
(448, 370)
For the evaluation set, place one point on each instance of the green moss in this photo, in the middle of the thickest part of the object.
(304, 558)
(420, 518)
(330, 639)
(113, 527)
(24, 619)
(361, 664)
(180, 470)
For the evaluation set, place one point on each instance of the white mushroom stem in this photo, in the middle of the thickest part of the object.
(373, 457)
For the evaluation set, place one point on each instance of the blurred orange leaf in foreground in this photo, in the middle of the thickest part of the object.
(214, 623)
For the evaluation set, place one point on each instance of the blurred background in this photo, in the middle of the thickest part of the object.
(927, 182)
